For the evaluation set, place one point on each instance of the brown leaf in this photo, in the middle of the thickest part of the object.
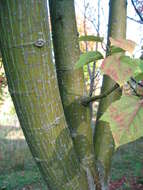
(127, 45)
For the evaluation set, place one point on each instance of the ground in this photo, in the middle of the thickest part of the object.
(18, 173)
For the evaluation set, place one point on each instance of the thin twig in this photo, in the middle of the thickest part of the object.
(96, 48)
(138, 21)
(137, 11)
(92, 79)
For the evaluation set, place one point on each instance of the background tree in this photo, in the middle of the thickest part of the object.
(104, 145)
(3, 82)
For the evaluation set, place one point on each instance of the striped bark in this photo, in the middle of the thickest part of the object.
(71, 82)
(26, 53)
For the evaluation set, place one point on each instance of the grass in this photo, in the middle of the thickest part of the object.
(17, 168)
(127, 167)
(128, 160)
(19, 172)
(16, 180)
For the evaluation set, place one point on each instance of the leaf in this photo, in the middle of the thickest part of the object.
(88, 57)
(141, 65)
(138, 73)
(126, 118)
(120, 68)
(114, 49)
(139, 77)
(91, 38)
(127, 45)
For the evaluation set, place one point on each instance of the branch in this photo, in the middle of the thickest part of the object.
(87, 100)
(138, 21)
(137, 11)
(138, 83)
(133, 89)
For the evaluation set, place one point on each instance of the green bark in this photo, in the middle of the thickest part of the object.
(26, 52)
(71, 81)
(103, 140)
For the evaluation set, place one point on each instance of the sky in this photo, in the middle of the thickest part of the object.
(134, 29)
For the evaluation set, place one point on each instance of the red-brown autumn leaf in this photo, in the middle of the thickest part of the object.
(127, 45)
(120, 68)
(125, 117)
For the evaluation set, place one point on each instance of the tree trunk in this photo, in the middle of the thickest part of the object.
(103, 140)
(26, 52)
(71, 83)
